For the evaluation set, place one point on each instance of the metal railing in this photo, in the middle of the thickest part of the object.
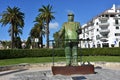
(68, 40)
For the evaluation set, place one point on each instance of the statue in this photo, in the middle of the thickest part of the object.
(71, 30)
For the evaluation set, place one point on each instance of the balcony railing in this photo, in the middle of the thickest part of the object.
(116, 24)
(106, 31)
(104, 39)
(103, 18)
(116, 17)
(103, 24)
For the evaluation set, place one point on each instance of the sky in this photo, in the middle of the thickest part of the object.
(84, 11)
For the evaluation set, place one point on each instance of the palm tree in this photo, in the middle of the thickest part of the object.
(36, 32)
(47, 15)
(28, 42)
(15, 18)
(58, 43)
(17, 32)
(40, 25)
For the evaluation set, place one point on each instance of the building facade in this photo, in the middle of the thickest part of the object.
(1, 46)
(103, 30)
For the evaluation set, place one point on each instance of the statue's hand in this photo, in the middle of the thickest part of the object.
(79, 31)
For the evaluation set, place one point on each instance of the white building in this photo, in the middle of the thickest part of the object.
(103, 30)
(1, 47)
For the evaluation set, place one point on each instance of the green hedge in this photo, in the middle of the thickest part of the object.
(20, 53)
(100, 52)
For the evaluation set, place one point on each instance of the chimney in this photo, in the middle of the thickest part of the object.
(113, 7)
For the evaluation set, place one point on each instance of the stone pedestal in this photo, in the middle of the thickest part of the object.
(69, 70)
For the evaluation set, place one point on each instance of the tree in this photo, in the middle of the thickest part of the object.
(40, 24)
(58, 42)
(47, 15)
(15, 18)
(28, 43)
(18, 42)
(36, 32)
(17, 32)
(56, 36)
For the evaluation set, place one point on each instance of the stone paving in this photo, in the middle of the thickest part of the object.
(103, 71)
(100, 74)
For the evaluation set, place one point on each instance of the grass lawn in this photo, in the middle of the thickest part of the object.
(101, 58)
(57, 59)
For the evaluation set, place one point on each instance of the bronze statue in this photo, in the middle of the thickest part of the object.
(71, 31)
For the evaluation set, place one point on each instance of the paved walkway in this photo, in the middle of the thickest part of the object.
(44, 73)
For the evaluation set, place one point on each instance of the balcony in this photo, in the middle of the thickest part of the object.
(104, 39)
(105, 31)
(103, 18)
(116, 17)
(103, 24)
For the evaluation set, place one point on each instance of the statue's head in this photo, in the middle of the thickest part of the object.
(70, 17)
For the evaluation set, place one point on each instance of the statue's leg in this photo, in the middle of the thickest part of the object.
(68, 55)
(74, 55)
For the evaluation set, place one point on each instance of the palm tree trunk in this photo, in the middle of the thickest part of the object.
(15, 41)
(12, 37)
(41, 42)
(47, 35)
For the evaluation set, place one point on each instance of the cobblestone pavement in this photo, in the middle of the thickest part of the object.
(100, 74)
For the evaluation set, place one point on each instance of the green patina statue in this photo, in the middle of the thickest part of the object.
(70, 30)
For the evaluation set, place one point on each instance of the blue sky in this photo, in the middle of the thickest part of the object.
(84, 10)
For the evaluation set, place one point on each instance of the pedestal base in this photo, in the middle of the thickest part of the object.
(69, 70)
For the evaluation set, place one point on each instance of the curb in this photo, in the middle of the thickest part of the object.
(14, 67)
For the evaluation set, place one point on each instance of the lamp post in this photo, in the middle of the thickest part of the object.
(53, 53)
(79, 31)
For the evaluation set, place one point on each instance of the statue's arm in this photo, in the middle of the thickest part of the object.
(79, 30)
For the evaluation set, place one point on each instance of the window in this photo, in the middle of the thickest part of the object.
(105, 44)
(112, 15)
(103, 21)
(105, 35)
(96, 23)
(102, 15)
(97, 29)
(106, 16)
(116, 21)
(117, 34)
(117, 27)
(84, 35)
(98, 45)
(97, 37)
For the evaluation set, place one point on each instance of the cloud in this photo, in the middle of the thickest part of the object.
(53, 25)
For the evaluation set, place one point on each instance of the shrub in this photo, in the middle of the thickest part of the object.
(20, 53)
